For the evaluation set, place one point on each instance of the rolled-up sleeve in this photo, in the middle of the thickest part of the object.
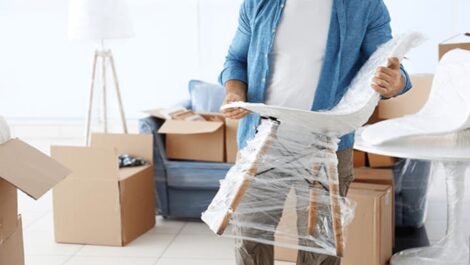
(378, 33)
(235, 66)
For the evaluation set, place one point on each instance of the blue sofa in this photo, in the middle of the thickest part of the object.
(185, 188)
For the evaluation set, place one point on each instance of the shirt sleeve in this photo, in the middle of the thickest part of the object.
(235, 66)
(378, 33)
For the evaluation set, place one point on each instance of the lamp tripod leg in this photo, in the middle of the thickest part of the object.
(118, 93)
(90, 101)
(105, 101)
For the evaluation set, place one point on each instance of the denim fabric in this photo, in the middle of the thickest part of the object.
(357, 28)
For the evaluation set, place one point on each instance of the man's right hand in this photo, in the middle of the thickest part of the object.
(236, 91)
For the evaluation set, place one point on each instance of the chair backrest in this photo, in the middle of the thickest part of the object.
(446, 111)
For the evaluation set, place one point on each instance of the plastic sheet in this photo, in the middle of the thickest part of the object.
(296, 150)
(453, 249)
(412, 181)
(447, 109)
(272, 164)
(356, 106)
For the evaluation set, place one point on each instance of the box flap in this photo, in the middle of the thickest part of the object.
(28, 169)
(127, 172)
(139, 145)
(367, 186)
(156, 113)
(190, 127)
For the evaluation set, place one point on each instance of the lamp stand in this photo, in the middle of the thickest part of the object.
(105, 57)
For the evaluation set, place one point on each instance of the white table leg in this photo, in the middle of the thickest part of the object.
(453, 248)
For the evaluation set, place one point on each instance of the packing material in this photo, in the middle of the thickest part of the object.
(99, 203)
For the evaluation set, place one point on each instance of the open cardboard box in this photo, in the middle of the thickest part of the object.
(25, 168)
(213, 140)
(99, 203)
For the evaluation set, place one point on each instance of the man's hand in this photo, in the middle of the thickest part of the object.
(236, 91)
(388, 81)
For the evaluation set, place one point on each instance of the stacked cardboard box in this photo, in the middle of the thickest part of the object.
(99, 203)
(370, 236)
(25, 168)
(212, 139)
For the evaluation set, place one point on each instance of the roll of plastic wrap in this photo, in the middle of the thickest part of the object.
(4, 131)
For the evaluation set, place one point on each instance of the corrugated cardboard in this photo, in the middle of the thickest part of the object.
(8, 210)
(461, 41)
(381, 177)
(28, 169)
(21, 167)
(380, 161)
(231, 145)
(11, 249)
(410, 102)
(359, 158)
(369, 237)
(99, 203)
(195, 140)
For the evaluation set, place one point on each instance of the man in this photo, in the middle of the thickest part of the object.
(303, 54)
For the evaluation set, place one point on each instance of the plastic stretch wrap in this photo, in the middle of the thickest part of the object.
(4, 131)
(453, 249)
(412, 181)
(295, 150)
(270, 166)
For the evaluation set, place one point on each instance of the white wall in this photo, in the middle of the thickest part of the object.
(44, 75)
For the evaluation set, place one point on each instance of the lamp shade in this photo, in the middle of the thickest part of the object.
(99, 20)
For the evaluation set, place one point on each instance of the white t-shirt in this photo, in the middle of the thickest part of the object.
(298, 53)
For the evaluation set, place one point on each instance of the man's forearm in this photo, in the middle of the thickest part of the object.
(236, 87)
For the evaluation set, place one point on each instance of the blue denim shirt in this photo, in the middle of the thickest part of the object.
(357, 28)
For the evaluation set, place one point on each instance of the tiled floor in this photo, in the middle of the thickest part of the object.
(169, 243)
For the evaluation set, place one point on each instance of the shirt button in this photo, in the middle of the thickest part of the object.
(282, 5)
(274, 30)
(264, 80)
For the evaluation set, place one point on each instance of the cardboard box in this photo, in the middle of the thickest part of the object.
(380, 161)
(99, 203)
(359, 158)
(195, 140)
(410, 102)
(11, 248)
(25, 168)
(8, 210)
(231, 145)
(461, 41)
(374, 176)
(381, 177)
(369, 237)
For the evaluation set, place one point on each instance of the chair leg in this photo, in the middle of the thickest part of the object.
(252, 170)
(332, 172)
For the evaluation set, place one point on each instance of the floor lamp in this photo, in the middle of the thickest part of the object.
(101, 20)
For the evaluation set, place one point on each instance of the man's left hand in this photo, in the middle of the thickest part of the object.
(388, 81)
